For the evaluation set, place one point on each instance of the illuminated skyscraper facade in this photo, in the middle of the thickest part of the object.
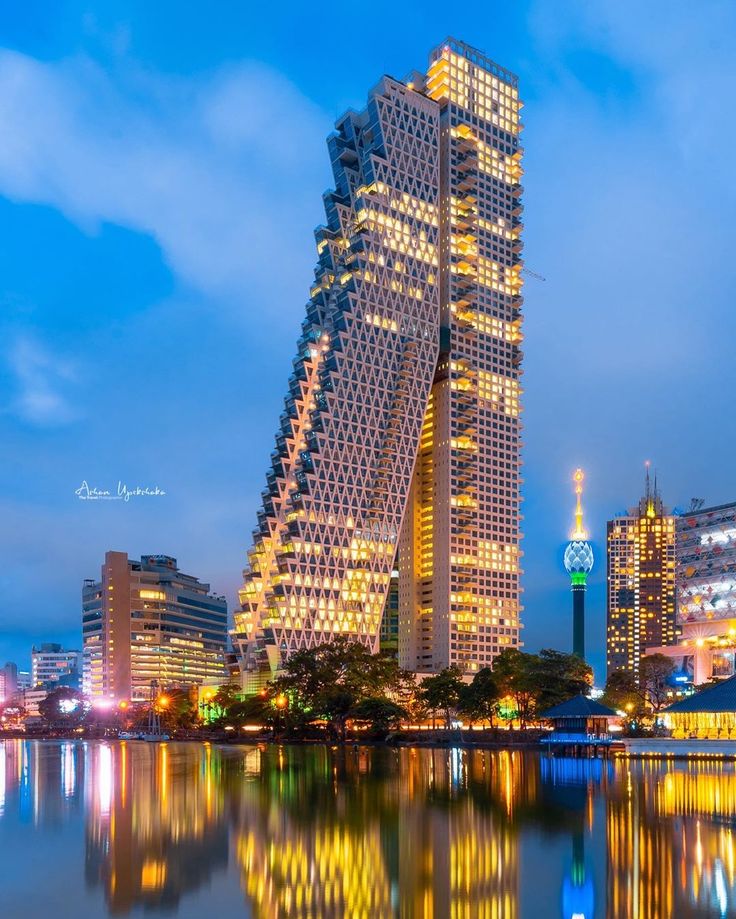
(641, 582)
(706, 595)
(146, 622)
(460, 599)
(409, 352)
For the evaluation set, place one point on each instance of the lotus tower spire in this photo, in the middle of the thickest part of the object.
(578, 564)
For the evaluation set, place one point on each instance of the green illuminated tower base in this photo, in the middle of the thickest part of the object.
(578, 587)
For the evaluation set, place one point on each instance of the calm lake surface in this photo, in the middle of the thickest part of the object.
(188, 830)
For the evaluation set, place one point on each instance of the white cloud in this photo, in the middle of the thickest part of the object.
(40, 380)
(225, 173)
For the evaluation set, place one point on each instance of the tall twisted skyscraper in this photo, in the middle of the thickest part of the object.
(402, 419)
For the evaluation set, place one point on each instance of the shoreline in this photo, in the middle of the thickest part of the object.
(655, 748)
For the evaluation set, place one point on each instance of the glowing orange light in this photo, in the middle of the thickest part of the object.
(122, 704)
(281, 701)
(163, 701)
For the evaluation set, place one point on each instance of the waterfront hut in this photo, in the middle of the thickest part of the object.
(579, 720)
(709, 714)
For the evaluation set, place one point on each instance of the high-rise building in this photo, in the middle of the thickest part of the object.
(641, 582)
(705, 574)
(144, 623)
(8, 683)
(52, 665)
(403, 407)
(578, 564)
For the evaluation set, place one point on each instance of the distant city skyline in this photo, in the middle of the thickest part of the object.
(144, 246)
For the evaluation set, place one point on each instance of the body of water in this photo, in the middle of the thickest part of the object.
(198, 831)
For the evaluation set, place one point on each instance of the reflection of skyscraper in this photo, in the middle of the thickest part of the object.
(328, 862)
(40, 785)
(641, 582)
(457, 855)
(154, 832)
(671, 851)
(640, 879)
(415, 840)
(410, 348)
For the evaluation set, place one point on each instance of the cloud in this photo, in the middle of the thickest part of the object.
(223, 172)
(40, 379)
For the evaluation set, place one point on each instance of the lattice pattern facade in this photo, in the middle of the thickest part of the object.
(340, 477)
(410, 352)
(706, 564)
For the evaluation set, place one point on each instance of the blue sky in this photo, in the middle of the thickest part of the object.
(160, 176)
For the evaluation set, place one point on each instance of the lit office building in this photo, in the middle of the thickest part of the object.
(145, 623)
(52, 665)
(410, 351)
(641, 582)
(706, 595)
(8, 683)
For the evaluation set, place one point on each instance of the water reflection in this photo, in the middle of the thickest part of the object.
(322, 832)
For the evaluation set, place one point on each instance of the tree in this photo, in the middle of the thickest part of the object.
(335, 703)
(258, 709)
(328, 681)
(63, 707)
(517, 679)
(559, 676)
(536, 682)
(177, 709)
(227, 694)
(442, 691)
(655, 673)
(623, 694)
(479, 699)
(381, 714)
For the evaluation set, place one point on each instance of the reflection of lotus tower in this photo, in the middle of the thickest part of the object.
(578, 562)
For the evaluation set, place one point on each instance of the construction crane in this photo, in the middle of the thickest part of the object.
(533, 274)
